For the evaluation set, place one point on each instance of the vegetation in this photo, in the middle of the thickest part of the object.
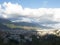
(48, 39)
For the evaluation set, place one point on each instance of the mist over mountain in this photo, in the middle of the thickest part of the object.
(22, 22)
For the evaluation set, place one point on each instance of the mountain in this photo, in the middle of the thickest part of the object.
(3, 22)
(26, 24)
(33, 24)
(7, 24)
(2, 26)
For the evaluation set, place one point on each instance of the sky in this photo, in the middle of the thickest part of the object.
(36, 3)
(44, 12)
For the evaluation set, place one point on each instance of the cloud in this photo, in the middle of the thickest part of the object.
(40, 15)
(16, 10)
(10, 8)
(23, 20)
